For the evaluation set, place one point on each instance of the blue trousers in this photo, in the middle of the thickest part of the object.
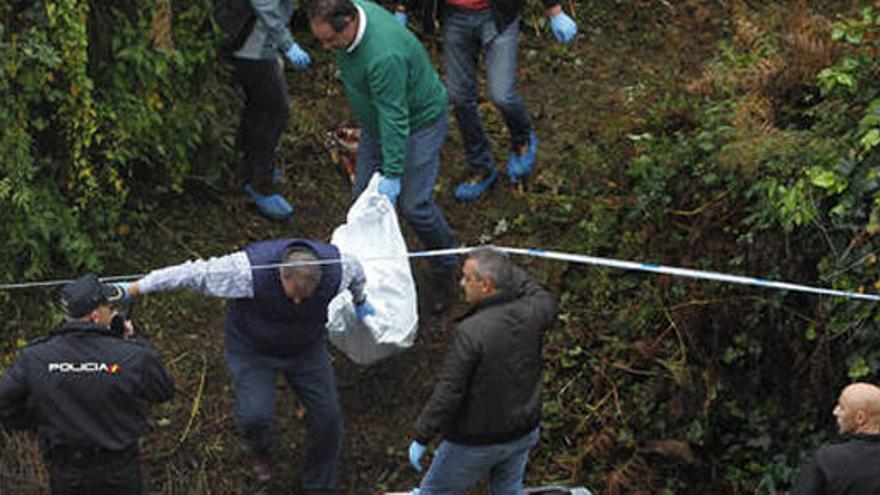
(466, 35)
(311, 376)
(457, 467)
(416, 201)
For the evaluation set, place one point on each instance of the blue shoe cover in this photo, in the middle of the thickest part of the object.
(273, 206)
(469, 191)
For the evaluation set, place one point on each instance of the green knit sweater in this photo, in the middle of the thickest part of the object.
(391, 85)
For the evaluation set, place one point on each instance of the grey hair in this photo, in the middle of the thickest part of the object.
(305, 269)
(492, 264)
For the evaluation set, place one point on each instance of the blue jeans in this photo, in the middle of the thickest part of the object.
(416, 201)
(457, 467)
(311, 376)
(466, 34)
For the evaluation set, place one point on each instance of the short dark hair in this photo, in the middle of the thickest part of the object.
(492, 264)
(303, 266)
(337, 13)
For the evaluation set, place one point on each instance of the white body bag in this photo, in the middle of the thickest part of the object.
(372, 235)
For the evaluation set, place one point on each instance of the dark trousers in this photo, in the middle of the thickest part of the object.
(311, 376)
(265, 116)
(90, 471)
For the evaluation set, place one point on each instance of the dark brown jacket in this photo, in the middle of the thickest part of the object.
(489, 390)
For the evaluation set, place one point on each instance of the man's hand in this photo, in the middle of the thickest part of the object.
(416, 451)
(363, 309)
(298, 57)
(390, 188)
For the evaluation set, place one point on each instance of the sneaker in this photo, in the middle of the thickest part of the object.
(442, 291)
(273, 206)
(522, 161)
(260, 468)
(473, 187)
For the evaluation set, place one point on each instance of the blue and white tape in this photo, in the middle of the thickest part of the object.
(553, 255)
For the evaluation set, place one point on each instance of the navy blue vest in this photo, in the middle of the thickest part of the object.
(270, 323)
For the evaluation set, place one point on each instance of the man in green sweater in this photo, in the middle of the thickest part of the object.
(400, 103)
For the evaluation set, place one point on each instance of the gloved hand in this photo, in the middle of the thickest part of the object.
(363, 309)
(298, 57)
(416, 451)
(390, 188)
(564, 28)
(122, 295)
(401, 17)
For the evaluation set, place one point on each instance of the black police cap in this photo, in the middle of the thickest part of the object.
(86, 294)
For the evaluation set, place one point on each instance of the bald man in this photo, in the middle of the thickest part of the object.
(851, 467)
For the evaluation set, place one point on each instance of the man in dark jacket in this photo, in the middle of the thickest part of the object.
(85, 385)
(487, 401)
(850, 467)
(275, 324)
(490, 27)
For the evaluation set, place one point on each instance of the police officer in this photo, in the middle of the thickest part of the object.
(85, 385)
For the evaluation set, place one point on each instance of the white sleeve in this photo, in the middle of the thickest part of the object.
(227, 276)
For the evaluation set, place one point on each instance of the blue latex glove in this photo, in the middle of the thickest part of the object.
(298, 57)
(400, 17)
(390, 188)
(363, 309)
(416, 451)
(122, 295)
(564, 28)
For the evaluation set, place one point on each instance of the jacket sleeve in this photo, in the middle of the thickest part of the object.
(810, 480)
(451, 388)
(387, 78)
(269, 13)
(14, 393)
(156, 383)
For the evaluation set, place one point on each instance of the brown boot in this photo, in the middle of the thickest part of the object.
(443, 291)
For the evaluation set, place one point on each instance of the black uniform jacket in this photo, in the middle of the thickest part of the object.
(850, 468)
(489, 390)
(85, 387)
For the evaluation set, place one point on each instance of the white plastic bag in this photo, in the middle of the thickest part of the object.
(372, 231)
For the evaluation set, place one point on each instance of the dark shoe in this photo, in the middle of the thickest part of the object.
(522, 161)
(443, 291)
(260, 468)
(474, 186)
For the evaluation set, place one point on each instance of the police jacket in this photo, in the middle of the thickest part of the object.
(849, 468)
(85, 387)
(489, 390)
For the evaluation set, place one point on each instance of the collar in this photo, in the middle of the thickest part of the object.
(78, 326)
(362, 26)
(497, 298)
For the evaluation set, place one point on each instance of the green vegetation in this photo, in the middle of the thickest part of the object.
(729, 136)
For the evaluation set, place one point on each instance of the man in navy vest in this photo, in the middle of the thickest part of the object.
(276, 324)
